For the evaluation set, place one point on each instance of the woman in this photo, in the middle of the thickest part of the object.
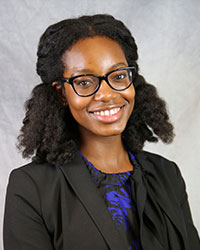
(90, 185)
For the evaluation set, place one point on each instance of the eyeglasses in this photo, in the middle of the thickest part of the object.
(88, 84)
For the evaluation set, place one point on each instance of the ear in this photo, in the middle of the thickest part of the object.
(60, 92)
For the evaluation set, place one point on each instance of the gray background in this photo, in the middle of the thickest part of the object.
(168, 36)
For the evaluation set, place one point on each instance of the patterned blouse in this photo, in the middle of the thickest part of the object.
(116, 192)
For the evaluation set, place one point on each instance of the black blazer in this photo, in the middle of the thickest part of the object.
(59, 207)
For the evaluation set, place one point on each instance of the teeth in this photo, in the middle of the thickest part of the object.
(112, 111)
(107, 112)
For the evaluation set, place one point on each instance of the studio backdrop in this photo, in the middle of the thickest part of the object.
(168, 36)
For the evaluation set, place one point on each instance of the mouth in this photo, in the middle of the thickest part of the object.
(108, 115)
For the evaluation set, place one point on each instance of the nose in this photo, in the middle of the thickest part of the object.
(105, 93)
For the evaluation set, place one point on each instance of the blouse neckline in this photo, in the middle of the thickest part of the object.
(88, 163)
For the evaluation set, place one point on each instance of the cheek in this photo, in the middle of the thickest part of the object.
(78, 105)
(75, 104)
(74, 101)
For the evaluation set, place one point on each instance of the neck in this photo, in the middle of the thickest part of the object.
(106, 153)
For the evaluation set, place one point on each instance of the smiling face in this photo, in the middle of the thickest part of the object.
(107, 111)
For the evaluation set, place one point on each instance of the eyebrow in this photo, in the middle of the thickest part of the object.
(90, 71)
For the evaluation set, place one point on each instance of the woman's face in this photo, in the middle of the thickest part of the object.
(107, 111)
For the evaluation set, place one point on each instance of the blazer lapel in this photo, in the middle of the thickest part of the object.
(79, 178)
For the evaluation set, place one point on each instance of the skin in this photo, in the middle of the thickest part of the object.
(99, 55)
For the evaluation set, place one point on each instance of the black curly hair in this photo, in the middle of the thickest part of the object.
(49, 132)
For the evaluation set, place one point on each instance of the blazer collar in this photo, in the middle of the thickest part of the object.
(79, 178)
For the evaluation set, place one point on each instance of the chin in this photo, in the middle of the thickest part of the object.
(108, 132)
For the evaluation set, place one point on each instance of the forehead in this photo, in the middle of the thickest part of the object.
(93, 52)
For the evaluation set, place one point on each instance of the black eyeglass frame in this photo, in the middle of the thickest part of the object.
(105, 77)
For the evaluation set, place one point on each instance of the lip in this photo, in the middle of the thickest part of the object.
(107, 119)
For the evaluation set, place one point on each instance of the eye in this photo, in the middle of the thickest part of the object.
(84, 82)
(119, 76)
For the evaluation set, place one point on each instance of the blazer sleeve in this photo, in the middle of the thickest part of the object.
(24, 228)
(193, 238)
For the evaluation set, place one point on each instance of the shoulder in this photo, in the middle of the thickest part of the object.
(153, 156)
(34, 178)
(157, 161)
(34, 184)
(34, 171)
(162, 170)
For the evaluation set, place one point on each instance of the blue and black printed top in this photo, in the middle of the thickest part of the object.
(116, 191)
